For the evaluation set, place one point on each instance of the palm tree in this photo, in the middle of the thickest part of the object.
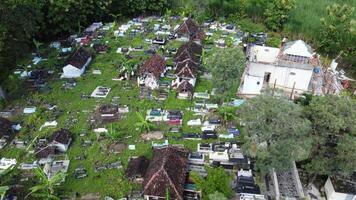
(142, 123)
(45, 187)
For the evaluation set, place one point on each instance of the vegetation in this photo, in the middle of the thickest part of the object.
(226, 66)
(216, 181)
(338, 31)
(45, 187)
(277, 13)
(333, 133)
(277, 133)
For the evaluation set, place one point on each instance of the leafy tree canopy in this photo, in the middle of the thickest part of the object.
(277, 133)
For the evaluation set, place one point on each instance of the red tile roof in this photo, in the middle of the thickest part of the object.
(137, 167)
(155, 65)
(189, 50)
(189, 27)
(167, 170)
(186, 69)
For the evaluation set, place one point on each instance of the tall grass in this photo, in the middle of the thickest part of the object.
(304, 21)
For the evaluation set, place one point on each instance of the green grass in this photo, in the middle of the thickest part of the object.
(304, 21)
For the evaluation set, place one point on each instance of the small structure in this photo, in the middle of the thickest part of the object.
(101, 48)
(6, 163)
(167, 171)
(76, 64)
(45, 154)
(287, 184)
(151, 71)
(108, 113)
(58, 166)
(136, 169)
(288, 68)
(246, 187)
(100, 92)
(337, 188)
(61, 139)
(185, 90)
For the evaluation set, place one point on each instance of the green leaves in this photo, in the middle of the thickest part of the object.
(277, 13)
(226, 67)
(216, 181)
(277, 133)
(45, 187)
(336, 30)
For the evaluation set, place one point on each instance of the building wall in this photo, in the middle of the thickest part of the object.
(284, 76)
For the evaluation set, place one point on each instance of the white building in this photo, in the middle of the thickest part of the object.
(288, 68)
(76, 64)
(337, 189)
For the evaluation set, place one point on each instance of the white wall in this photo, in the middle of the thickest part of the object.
(70, 71)
(282, 75)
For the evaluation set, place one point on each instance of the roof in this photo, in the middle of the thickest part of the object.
(5, 126)
(263, 54)
(79, 58)
(137, 167)
(297, 48)
(193, 50)
(62, 136)
(155, 65)
(45, 152)
(186, 69)
(185, 86)
(167, 169)
(188, 27)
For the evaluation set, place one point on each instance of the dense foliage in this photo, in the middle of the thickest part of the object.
(277, 133)
(318, 130)
(226, 67)
(216, 181)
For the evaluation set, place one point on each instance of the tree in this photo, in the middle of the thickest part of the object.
(277, 13)
(228, 113)
(226, 67)
(333, 133)
(276, 132)
(45, 187)
(216, 181)
(143, 124)
(338, 31)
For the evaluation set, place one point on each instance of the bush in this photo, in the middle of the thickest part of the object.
(248, 25)
(273, 42)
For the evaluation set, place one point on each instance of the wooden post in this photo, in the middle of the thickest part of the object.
(274, 86)
(291, 94)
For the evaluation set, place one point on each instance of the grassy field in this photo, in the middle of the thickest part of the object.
(304, 21)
